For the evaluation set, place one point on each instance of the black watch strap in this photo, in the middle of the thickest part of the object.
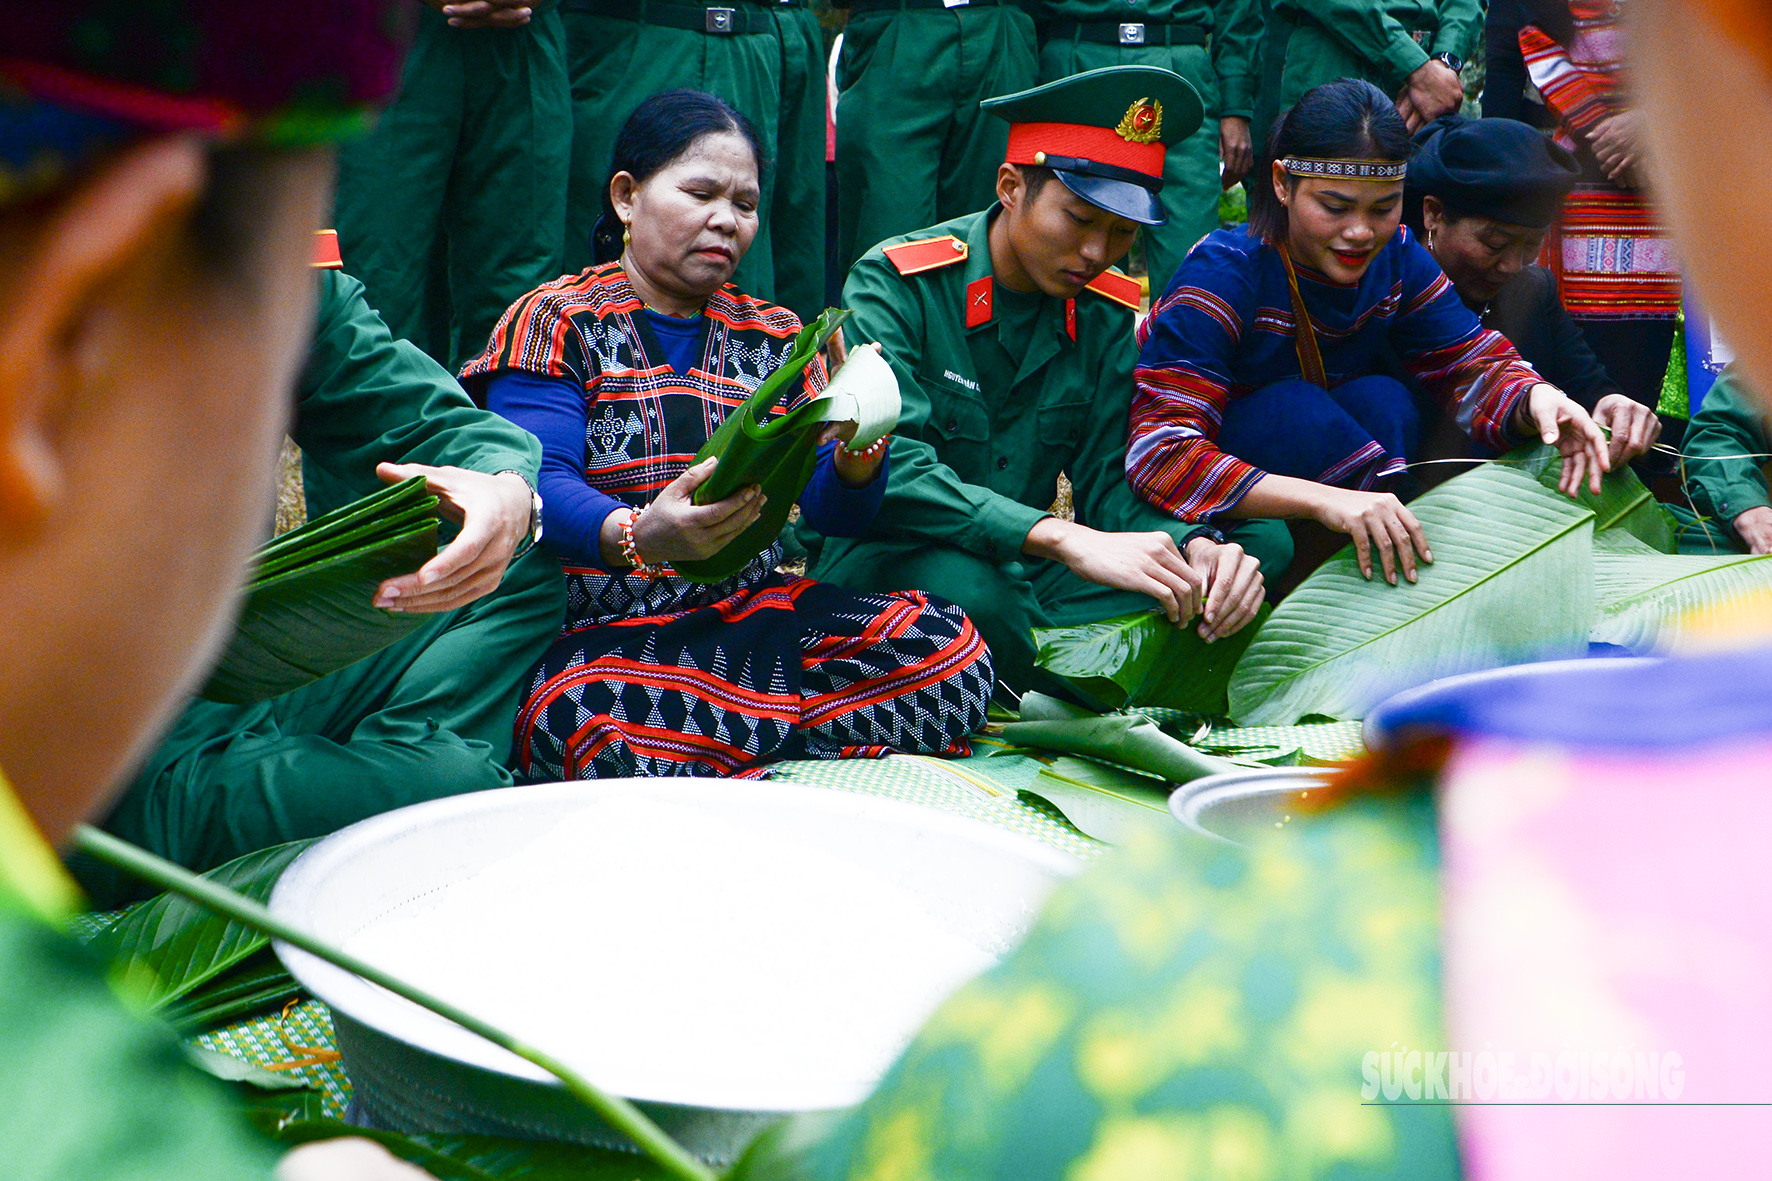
(1451, 61)
(1202, 531)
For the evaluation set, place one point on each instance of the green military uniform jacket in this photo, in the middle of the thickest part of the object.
(978, 448)
(366, 397)
(1728, 430)
(1233, 30)
(1311, 42)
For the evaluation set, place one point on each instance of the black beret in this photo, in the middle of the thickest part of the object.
(1495, 168)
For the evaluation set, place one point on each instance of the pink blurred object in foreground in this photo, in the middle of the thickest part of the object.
(1606, 900)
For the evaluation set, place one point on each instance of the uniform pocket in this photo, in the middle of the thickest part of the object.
(1064, 424)
(959, 421)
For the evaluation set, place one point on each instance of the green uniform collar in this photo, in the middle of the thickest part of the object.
(1058, 317)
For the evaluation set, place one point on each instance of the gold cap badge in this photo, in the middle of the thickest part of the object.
(1142, 123)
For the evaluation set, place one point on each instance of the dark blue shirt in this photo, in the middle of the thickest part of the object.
(679, 338)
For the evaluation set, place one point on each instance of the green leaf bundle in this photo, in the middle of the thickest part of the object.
(309, 605)
(1648, 601)
(777, 454)
(1144, 660)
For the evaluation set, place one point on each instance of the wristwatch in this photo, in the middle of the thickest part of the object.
(534, 512)
(1206, 531)
(1451, 61)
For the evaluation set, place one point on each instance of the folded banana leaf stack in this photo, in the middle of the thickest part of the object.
(779, 454)
(308, 607)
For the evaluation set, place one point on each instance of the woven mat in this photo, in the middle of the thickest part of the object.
(983, 787)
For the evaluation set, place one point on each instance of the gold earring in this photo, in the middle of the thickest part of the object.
(627, 237)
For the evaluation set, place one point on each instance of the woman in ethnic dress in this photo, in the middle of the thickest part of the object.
(623, 372)
(1257, 392)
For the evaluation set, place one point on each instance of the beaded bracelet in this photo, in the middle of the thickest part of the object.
(871, 451)
(630, 552)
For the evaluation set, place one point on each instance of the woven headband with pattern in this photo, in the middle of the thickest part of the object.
(1346, 169)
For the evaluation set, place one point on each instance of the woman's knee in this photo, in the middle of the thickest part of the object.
(1383, 406)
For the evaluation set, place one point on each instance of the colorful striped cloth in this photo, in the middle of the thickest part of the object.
(658, 675)
(1225, 329)
(1611, 255)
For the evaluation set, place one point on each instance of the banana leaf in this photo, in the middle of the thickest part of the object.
(1144, 660)
(257, 984)
(1130, 740)
(1624, 502)
(295, 1118)
(1647, 600)
(171, 947)
(308, 606)
(1512, 581)
(777, 454)
(1101, 801)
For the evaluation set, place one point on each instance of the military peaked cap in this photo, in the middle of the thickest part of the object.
(1104, 132)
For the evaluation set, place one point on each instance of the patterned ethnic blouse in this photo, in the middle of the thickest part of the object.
(1225, 329)
(644, 421)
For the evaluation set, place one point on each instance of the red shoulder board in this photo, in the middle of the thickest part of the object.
(1118, 288)
(913, 258)
(326, 250)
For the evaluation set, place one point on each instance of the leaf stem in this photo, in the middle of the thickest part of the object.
(618, 1112)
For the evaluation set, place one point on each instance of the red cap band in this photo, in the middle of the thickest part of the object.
(1103, 145)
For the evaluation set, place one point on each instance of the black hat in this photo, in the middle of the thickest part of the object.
(1105, 133)
(1495, 168)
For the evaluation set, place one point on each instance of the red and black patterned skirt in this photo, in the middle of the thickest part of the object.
(775, 667)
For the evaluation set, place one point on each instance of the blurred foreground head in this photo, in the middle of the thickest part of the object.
(1702, 74)
(163, 166)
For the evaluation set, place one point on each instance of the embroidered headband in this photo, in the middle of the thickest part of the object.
(1377, 170)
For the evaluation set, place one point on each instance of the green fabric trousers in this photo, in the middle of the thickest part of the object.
(428, 717)
(1190, 168)
(1006, 601)
(913, 149)
(797, 217)
(616, 64)
(455, 205)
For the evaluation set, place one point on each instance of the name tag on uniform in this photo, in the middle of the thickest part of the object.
(956, 3)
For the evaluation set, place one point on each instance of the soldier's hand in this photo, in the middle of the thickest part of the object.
(1432, 91)
(1234, 586)
(674, 528)
(493, 512)
(1236, 149)
(1755, 528)
(484, 14)
(1147, 563)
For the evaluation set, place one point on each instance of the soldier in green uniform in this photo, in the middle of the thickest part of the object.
(1728, 448)
(1211, 43)
(913, 145)
(1013, 345)
(158, 300)
(765, 58)
(455, 204)
(1411, 49)
(427, 717)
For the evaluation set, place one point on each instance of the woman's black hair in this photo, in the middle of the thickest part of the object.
(1347, 119)
(659, 131)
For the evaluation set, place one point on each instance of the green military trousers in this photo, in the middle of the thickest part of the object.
(913, 149)
(1190, 168)
(1007, 600)
(455, 205)
(428, 717)
(617, 62)
(797, 215)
